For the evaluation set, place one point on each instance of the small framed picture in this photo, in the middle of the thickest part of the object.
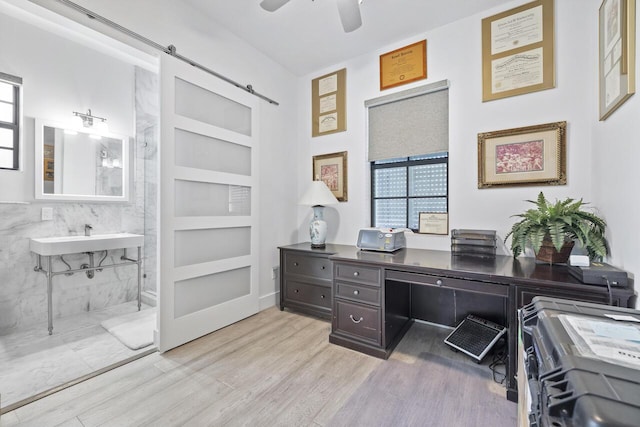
(433, 223)
(332, 170)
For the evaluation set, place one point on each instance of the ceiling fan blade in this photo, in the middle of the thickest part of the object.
(272, 5)
(349, 11)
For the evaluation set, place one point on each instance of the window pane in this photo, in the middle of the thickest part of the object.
(6, 159)
(437, 204)
(428, 180)
(205, 199)
(390, 213)
(195, 294)
(390, 182)
(219, 111)
(386, 162)
(6, 92)
(6, 112)
(204, 245)
(202, 152)
(6, 138)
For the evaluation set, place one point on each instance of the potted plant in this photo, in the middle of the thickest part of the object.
(551, 229)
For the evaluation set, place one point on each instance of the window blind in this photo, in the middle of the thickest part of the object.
(409, 123)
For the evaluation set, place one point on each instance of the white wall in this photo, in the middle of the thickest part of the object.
(59, 77)
(454, 53)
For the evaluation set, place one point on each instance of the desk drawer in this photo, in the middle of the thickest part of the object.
(307, 265)
(361, 321)
(308, 294)
(358, 293)
(357, 273)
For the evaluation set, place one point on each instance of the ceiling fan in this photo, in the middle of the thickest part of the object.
(349, 11)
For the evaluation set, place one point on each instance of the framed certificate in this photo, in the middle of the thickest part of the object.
(328, 103)
(404, 65)
(517, 51)
(433, 223)
(617, 34)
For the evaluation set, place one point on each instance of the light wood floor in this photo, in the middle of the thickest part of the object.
(278, 369)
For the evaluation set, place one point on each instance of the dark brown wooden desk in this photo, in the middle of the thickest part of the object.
(376, 296)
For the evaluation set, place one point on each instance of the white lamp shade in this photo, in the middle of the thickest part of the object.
(318, 194)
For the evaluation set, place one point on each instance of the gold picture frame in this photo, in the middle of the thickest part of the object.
(405, 65)
(616, 52)
(328, 103)
(532, 155)
(332, 170)
(518, 51)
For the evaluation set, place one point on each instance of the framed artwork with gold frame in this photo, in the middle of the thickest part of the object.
(532, 155)
(518, 51)
(617, 47)
(332, 170)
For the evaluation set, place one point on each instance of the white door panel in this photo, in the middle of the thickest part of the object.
(208, 204)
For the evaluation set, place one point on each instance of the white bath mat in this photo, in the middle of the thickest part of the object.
(135, 330)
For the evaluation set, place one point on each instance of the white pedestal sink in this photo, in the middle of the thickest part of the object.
(48, 247)
(77, 244)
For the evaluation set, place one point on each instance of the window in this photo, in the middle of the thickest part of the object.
(9, 121)
(402, 188)
(409, 155)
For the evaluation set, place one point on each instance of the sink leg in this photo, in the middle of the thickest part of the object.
(49, 296)
(139, 278)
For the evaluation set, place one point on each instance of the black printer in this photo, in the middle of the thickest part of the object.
(582, 366)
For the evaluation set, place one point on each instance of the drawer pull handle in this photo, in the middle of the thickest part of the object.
(322, 296)
(439, 282)
(295, 264)
(355, 273)
(354, 320)
(323, 267)
(296, 291)
(356, 292)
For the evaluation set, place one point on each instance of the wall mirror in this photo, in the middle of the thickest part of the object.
(80, 164)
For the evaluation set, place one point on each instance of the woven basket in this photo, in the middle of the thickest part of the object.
(550, 255)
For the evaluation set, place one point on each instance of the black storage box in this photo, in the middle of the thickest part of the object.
(568, 387)
(598, 273)
(473, 242)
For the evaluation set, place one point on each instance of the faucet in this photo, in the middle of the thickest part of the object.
(87, 230)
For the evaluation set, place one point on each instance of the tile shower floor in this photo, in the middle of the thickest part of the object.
(33, 362)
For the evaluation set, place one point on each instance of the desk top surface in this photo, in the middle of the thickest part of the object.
(498, 269)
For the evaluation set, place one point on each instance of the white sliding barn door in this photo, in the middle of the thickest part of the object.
(208, 206)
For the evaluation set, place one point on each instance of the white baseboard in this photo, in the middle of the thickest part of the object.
(268, 301)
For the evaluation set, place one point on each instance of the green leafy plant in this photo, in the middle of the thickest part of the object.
(560, 221)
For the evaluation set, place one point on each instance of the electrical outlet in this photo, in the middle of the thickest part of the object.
(274, 272)
(47, 214)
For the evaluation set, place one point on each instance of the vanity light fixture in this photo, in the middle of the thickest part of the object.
(90, 121)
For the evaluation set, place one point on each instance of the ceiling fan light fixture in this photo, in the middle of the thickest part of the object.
(272, 5)
(349, 11)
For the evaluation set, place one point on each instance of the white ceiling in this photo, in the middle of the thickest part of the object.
(306, 35)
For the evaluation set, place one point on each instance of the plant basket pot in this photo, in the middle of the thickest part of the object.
(550, 255)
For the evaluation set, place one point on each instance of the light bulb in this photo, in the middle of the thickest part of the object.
(77, 122)
(100, 126)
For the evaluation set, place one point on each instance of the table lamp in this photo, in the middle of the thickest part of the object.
(318, 195)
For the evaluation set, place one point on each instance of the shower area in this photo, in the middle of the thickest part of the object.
(97, 325)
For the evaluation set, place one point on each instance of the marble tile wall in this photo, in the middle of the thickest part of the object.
(23, 296)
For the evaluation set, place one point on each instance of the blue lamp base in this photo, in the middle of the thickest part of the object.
(318, 228)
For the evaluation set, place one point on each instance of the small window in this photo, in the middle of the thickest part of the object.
(402, 188)
(10, 110)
